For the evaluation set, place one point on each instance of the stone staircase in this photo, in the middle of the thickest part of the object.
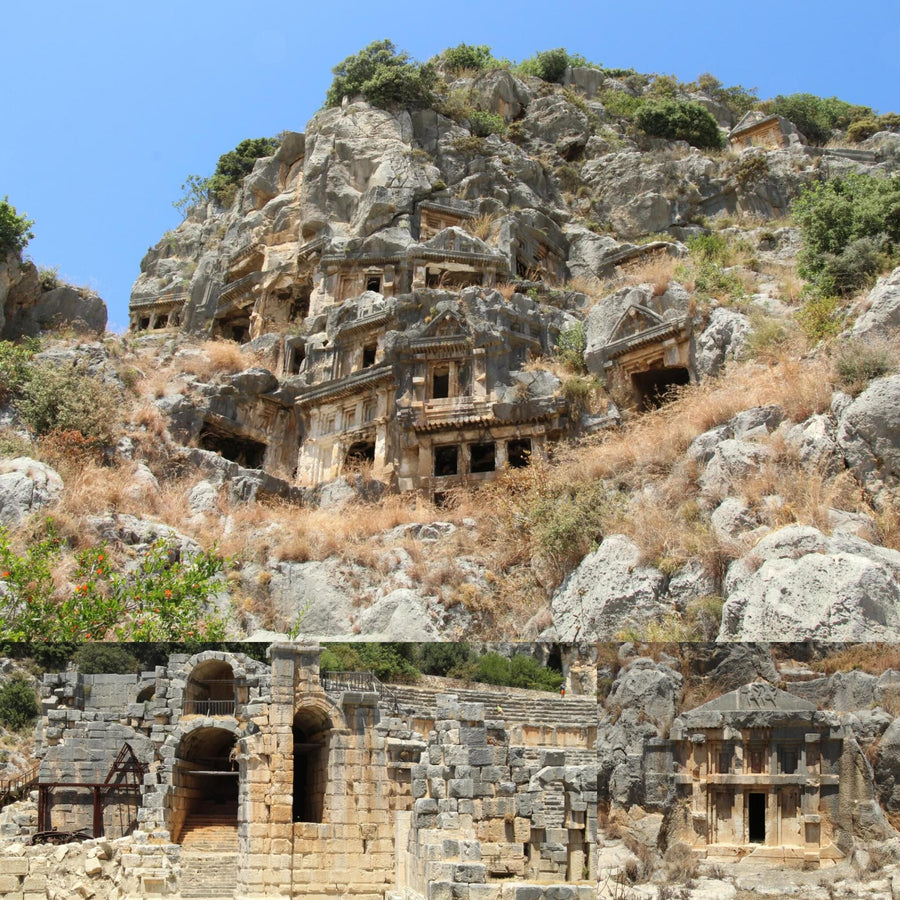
(517, 705)
(209, 850)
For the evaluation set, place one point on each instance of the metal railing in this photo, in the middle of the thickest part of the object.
(209, 707)
(364, 682)
(12, 789)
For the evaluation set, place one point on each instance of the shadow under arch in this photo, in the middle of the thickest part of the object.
(210, 689)
(205, 778)
(313, 730)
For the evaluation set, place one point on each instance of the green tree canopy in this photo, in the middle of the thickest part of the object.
(679, 120)
(846, 225)
(15, 230)
(383, 75)
(816, 116)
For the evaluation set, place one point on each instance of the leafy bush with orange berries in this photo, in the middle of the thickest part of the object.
(165, 597)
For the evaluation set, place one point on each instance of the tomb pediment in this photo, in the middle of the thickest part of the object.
(758, 696)
(447, 325)
(633, 321)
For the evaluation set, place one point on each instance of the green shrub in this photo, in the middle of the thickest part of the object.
(519, 671)
(738, 99)
(57, 399)
(621, 104)
(483, 123)
(49, 278)
(468, 57)
(862, 129)
(570, 347)
(383, 76)
(165, 597)
(679, 120)
(566, 522)
(846, 225)
(106, 658)
(235, 165)
(857, 364)
(444, 658)
(749, 169)
(712, 248)
(15, 230)
(551, 65)
(15, 366)
(820, 318)
(816, 116)
(18, 704)
(389, 661)
(578, 391)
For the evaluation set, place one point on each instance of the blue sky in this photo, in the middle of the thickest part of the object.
(110, 105)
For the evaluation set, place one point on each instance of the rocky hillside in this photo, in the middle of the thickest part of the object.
(580, 267)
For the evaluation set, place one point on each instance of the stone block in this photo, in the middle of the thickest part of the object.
(440, 890)
(473, 735)
(480, 756)
(8, 883)
(470, 873)
(461, 787)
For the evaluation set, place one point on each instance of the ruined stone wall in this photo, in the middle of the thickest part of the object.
(486, 811)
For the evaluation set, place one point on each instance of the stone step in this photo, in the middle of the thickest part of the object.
(208, 874)
(536, 706)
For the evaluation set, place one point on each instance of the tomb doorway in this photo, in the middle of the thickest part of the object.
(756, 818)
(654, 387)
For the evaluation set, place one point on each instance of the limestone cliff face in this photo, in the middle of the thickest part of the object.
(356, 181)
(27, 309)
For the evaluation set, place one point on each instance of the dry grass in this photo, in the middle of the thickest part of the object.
(872, 658)
(655, 269)
(657, 440)
(506, 289)
(482, 226)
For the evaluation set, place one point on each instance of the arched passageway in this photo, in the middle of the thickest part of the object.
(312, 730)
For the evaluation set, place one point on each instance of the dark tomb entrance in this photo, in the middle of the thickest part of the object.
(653, 388)
(756, 818)
(242, 450)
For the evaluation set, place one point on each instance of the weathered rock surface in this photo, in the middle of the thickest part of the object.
(869, 434)
(722, 340)
(609, 591)
(882, 310)
(799, 584)
(26, 486)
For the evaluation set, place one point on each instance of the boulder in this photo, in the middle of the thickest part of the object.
(798, 584)
(731, 461)
(882, 310)
(651, 690)
(609, 591)
(499, 92)
(816, 444)
(869, 434)
(887, 768)
(722, 340)
(400, 616)
(732, 518)
(26, 485)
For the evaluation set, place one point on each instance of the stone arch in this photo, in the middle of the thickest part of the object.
(313, 728)
(210, 689)
(206, 773)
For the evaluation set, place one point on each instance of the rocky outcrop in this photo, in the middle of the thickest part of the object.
(26, 486)
(609, 592)
(881, 315)
(798, 584)
(869, 434)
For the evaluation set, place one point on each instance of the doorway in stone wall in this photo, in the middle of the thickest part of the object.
(756, 818)
(310, 731)
(205, 795)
